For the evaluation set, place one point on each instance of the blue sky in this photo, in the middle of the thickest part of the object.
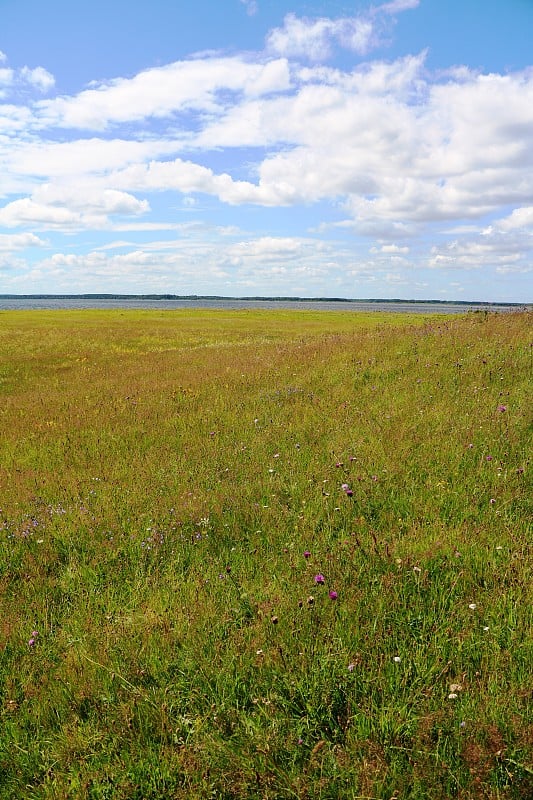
(267, 147)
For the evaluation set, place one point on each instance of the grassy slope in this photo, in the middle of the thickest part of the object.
(162, 476)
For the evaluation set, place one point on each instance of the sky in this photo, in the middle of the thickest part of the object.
(295, 148)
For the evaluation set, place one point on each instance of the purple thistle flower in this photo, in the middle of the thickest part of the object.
(502, 408)
(319, 578)
(333, 595)
(307, 554)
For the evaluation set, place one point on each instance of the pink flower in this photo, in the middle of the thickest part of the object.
(333, 595)
(307, 554)
(502, 408)
(319, 578)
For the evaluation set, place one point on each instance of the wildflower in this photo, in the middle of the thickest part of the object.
(488, 458)
(319, 578)
(396, 659)
(274, 620)
(333, 595)
(492, 501)
(33, 639)
(472, 606)
(307, 554)
(310, 600)
(351, 667)
(344, 487)
(453, 696)
(502, 408)
(456, 687)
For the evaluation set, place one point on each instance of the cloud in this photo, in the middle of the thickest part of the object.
(252, 7)
(10, 79)
(52, 208)
(161, 92)
(19, 241)
(520, 218)
(39, 77)
(396, 6)
(7, 76)
(394, 149)
(314, 38)
(390, 249)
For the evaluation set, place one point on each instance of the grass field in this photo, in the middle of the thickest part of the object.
(265, 555)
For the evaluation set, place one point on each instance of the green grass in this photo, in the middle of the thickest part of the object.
(171, 484)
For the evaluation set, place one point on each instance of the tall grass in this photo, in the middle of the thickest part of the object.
(265, 555)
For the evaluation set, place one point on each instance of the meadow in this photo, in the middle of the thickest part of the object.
(265, 555)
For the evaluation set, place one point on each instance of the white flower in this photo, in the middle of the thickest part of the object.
(452, 696)
(472, 606)
(396, 659)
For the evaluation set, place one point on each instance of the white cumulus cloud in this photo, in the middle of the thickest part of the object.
(38, 77)
(164, 91)
(315, 38)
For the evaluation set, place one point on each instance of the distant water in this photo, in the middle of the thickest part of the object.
(29, 303)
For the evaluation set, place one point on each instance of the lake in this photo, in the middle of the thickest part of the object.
(55, 302)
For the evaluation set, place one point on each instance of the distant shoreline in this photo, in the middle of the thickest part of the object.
(223, 298)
